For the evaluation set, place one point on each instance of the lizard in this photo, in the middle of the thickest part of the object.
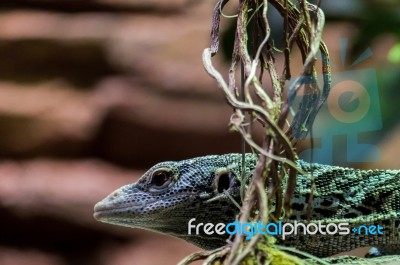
(171, 193)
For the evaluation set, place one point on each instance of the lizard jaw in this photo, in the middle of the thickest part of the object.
(127, 208)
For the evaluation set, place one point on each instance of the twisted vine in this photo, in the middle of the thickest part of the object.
(276, 165)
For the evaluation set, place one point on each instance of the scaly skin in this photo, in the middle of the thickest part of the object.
(169, 194)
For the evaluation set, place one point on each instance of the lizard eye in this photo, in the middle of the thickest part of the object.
(159, 178)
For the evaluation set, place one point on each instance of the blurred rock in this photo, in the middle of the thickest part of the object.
(49, 188)
(47, 206)
(166, 53)
(25, 24)
(34, 61)
(10, 256)
(101, 5)
(389, 149)
(45, 119)
(138, 75)
(120, 121)
(145, 127)
(148, 252)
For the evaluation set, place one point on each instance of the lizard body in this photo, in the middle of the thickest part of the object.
(169, 194)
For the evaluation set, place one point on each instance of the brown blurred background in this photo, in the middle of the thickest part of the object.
(94, 92)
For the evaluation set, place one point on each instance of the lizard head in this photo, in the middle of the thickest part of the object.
(171, 193)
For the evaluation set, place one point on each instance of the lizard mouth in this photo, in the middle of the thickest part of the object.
(111, 209)
(103, 209)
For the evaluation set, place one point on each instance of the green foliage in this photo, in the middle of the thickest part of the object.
(394, 54)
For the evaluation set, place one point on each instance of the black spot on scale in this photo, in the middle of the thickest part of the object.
(297, 206)
(325, 212)
(307, 197)
(327, 202)
(223, 203)
(304, 217)
(340, 196)
(363, 210)
(351, 215)
(229, 213)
